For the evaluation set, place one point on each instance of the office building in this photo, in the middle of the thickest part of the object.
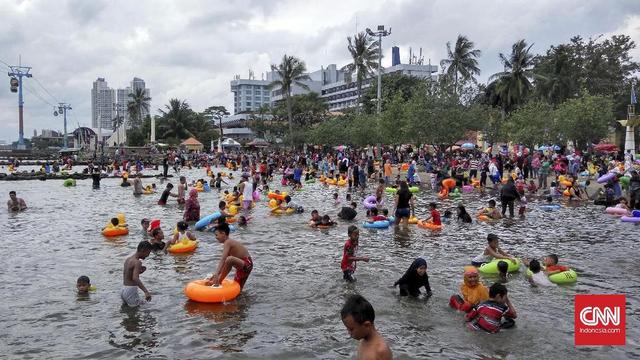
(250, 94)
(102, 100)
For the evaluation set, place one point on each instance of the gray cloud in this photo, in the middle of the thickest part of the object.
(191, 49)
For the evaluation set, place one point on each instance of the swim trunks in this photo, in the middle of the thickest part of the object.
(129, 295)
(243, 274)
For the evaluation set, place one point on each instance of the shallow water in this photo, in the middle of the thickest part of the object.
(291, 303)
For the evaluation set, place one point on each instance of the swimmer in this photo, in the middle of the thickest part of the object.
(114, 224)
(492, 251)
(165, 194)
(183, 235)
(83, 284)
(414, 278)
(491, 211)
(494, 314)
(326, 221)
(538, 278)
(348, 212)
(131, 276)
(358, 317)
(243, 221)
(472, 291)
(335, 199)
(446, 217)
(234, 255)
(15, 203)
(434, 216)
(315, 218)
(503, 271)
(375, 217)
(349, 254)
(156, 239)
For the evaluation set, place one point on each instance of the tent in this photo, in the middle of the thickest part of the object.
(192, 144)
(258, 143)
(229, 142)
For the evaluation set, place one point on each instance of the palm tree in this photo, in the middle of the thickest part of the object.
(117, 122)
(364, 53)
(138, 101)
(291, 71)
(515, 82)
(176, 120)
(462, 60)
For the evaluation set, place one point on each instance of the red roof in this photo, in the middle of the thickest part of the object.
(191, 141)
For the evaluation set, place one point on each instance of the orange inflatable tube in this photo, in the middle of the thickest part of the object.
(198, 291)
(273, 195)
(449, 183)
(429, 225)
(115, 231)
(443, 193)
(183, 247)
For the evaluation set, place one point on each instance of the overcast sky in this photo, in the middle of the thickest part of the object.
(192, 49)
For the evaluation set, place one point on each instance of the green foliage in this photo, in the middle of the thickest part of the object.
(533, 123)
(392, 84)
(140, 135)
(364, 55)
(461, 61)
(138, 101)
(291, 71)
(586, 119)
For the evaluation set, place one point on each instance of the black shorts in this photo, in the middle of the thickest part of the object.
(403, 213)
(348, 275)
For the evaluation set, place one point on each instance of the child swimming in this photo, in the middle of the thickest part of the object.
(358, 316)
(234, 255)
(414, 278)
(491, 251)
(349, 254)
(493, 314)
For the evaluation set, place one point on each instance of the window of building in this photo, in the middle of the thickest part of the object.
(248, 103)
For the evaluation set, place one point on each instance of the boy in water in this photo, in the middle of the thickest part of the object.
(15, 203)
(358, 317)
(156, 239)
(494, 314)
(491, 211)
(83, 284)
(165, 194)
(492, 251)
(349, 255)
(235, 255)
(131, 276)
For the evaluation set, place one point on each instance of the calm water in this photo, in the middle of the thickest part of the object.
(291, 303)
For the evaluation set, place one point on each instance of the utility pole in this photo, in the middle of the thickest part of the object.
(62, 109)
(380, 33)
(16, 74)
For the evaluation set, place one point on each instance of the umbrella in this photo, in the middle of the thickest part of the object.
(453, 148)
(606, 147)
(468, 146)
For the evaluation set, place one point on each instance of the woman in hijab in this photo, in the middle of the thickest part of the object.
(415, 278)
(472, 290)
(463, 215)
(192, 207)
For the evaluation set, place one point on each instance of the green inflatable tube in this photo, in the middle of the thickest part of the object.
(69, 182)
(492, 267)
(390, 190)
(565, 277)
(624, 181)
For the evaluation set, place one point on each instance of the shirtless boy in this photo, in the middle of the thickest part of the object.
(234, 254)
(131, 276)
(358, 316)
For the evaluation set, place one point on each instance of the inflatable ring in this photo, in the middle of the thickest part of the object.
(183, 246)
(564, 277)
(310, 181)
(342, 182)
(118, 231)
(230, 220)
(198, 291)
(289, 211)
(550, 207)
(391, 190)
(382, 224)
(199, 189)
(370, 202)
(273, 203)
(444, 193)
(482, 217)
(624, 181)
(467, 188)
(606, 177)
(449, 183)
(566, 183)
(233, 210)
(413, 220)
(455, 193)
(414, 189)
(272, 195)
(330, 181)
(256, 195)
(321, 226)
(492, 266)
(616, 211)
(566, 193)
(69, 182)
(404, 167)
(203, 222)
(631, 219)
(429, 225)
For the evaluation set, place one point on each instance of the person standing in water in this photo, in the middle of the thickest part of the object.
(15, 203)
(137, 185)
(358, 317)
(131, 276)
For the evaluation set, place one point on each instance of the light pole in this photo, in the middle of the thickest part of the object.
(379, 33)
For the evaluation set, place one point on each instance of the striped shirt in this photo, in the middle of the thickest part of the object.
(487, 316)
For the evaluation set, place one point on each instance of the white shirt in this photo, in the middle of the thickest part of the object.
(541, 279)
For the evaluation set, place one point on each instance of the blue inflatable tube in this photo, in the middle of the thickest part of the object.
(206, 187)
(383, 224)
(232, 228)
(550, 207)
(202, 223)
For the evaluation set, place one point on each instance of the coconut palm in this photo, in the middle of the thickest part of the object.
(516, 81)
(290, 72)
(117, 122)
(364, 53)
(175, 120)
(138, 101)
(462, 61)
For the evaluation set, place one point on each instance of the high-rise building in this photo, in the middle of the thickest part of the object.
(102, 100)
(122, 101)
(136, 84)
(250, 94)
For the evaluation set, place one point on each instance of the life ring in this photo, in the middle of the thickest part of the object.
(449, 183)
(404, 167)
(414, 189)
(467, 188)
(281, 196)
(321, 226)
(199, 188)
(183, 246)
(492, 266)
(233, 210)
(148, 192)
(382, 224)
(429, 225)
(288, 211)
(117, 231)
(564, 277)
(475, 183)
(256, 195)
(566, 193)
(342, 182)
(273, 203)
(391, 190)
(455, 193)
(370, 202)
(631, 219)
(566, 183)
(198, 291)
(550, 207)
(330, 181)
(203, 222)
(69, 182)
(413, 220)
(486, 218)
(616, 211)
(444, 193)
(606, 177)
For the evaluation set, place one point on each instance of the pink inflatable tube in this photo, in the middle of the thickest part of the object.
(616, 211)
(370, 202)
(606, 177)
